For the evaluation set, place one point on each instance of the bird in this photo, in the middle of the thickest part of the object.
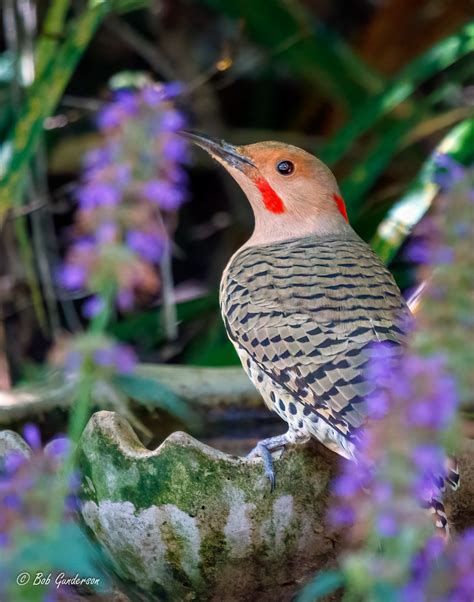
(304, 298)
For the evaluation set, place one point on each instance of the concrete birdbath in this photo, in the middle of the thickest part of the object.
(188, 522)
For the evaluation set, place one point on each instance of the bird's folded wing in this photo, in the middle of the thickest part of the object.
(320, 362)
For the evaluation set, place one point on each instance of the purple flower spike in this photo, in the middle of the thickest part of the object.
(32, 435)
(126, 186)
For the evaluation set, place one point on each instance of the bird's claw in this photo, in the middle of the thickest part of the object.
(264, 449)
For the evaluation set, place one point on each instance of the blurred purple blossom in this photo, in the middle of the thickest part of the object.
(129, 184)
(101, 352)
(73, 276)
(148, 245)
(166, 195)
(414, 395)
(119, 357)
(92, 307)
(444, 574)
(25, 487)
(32, 435)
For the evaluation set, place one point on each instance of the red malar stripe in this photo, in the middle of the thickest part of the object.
(341, 206)
(270, 198)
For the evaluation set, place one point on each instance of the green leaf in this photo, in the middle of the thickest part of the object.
(362, 178)
(439, 57)
(145, 328)
(324, 584)
(214, 348)
(409, 210)
(151, 392)
(288, 31)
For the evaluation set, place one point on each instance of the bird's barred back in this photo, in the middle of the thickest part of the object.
(301, 314)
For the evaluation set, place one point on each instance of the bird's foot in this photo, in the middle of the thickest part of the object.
(264, 450)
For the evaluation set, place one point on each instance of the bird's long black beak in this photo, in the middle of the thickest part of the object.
(219, 149)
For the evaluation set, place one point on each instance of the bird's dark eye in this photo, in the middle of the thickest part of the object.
(285, 168)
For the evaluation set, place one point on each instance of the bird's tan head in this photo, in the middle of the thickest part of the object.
(291, 192)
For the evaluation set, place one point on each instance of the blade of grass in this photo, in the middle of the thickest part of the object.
(44, 95)
(438, 58)
(51, 34)
(408, 211)
(308, 48)
(42, 99)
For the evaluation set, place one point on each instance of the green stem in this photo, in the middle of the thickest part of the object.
(77, 422)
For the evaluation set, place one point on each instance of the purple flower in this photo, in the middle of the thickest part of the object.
(147, 245)
(429, 457)
(172, 121)
(353, 480)
(153, 96)
(12, 501)
(175, 149)
(387, 525)
(72, 276)
(378, 405)
(173, 89)
(32, 435)
(97, 158)
(112, 116)
(120, 357)
(164, 194)
(92, 307)
(125, 299)
(58, 448)
(452, 171)
(342, 516)
(125, 359)
(97, 194)
(106, 232)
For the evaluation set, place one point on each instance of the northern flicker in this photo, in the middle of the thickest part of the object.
(304, 297)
